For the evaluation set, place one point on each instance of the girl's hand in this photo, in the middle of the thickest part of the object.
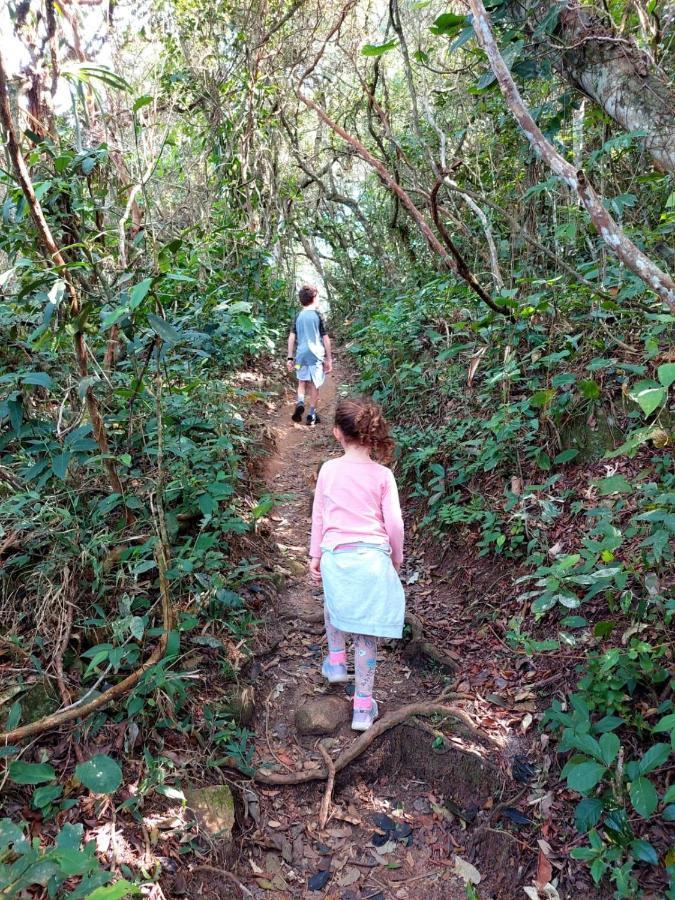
(315, 568)
(290, 365)
(397, 565)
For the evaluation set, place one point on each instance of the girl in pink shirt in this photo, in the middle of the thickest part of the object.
(357, 550)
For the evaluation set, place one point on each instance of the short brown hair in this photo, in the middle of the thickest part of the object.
(306, 294)
(361, 421)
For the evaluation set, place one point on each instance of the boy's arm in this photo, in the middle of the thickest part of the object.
(328, 363)
(393, 521)
(290, 362)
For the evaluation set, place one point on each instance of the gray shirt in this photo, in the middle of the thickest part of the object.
(309, 329)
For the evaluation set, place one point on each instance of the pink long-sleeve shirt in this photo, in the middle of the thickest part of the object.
(356, 500)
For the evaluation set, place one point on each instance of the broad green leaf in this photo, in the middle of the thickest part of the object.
(636, 439)
(587, 814)
(588, 745)
(542, 398)
(22, 772)
(449, 24)
(137, 627)
(669, 796)
(102, 775)
(173, 793)
(609, 747)
(46, 794)
(139, 292)
(666, 374)
(142, 101)
(60, 464)
(644, 851)
(654, 758)
(378, 49)
(70, 836)
(229, 598)
(114, 891)
(648, 395)
(590, 389)
(584, 776)
(166, 331)
(207, 504)
(643, 796)
(88, 164)
(667, 723)
(566, 456)
(42, 379)
(10, 833)
(614, 484)
(668, 814)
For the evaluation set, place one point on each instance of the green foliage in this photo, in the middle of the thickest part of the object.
(101, 774)
(25, 864)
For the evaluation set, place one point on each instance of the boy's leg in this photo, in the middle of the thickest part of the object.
(300, 402)
(312, 397)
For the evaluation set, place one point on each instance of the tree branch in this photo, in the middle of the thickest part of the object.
(611, 233)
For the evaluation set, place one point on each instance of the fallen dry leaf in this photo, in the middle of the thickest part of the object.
(466, 871)
(544, 871)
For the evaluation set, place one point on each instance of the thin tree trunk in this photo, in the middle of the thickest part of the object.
(611, 233)
(54, 254)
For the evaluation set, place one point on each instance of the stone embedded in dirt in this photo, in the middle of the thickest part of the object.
(323, 849)
(213, 807)
(321, 716)
(296, 567)
(379, 840)
(422, 805)
(319, 881)
(350, 689)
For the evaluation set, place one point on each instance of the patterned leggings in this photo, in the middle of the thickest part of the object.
(365, 659)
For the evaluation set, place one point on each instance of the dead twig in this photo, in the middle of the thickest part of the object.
(224, 873)
(330, 782)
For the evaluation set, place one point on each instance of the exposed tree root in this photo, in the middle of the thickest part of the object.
(417, 646)
(326, 801)
(391, 720)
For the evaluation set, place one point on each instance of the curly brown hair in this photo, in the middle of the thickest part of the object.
(361, 421)
(306, 294)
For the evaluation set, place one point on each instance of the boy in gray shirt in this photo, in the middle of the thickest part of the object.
(309, 353)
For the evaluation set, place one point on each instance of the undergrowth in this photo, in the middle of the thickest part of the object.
(543, 441)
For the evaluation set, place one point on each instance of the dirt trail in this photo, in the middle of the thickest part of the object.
(428, 785)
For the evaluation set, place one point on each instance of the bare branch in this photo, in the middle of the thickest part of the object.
(611, 233)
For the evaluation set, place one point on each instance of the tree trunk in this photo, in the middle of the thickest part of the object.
(612, 71)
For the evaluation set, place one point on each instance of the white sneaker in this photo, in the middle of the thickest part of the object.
(334, 673)
(364, 718)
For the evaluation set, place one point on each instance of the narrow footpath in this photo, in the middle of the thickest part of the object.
(399, 817)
